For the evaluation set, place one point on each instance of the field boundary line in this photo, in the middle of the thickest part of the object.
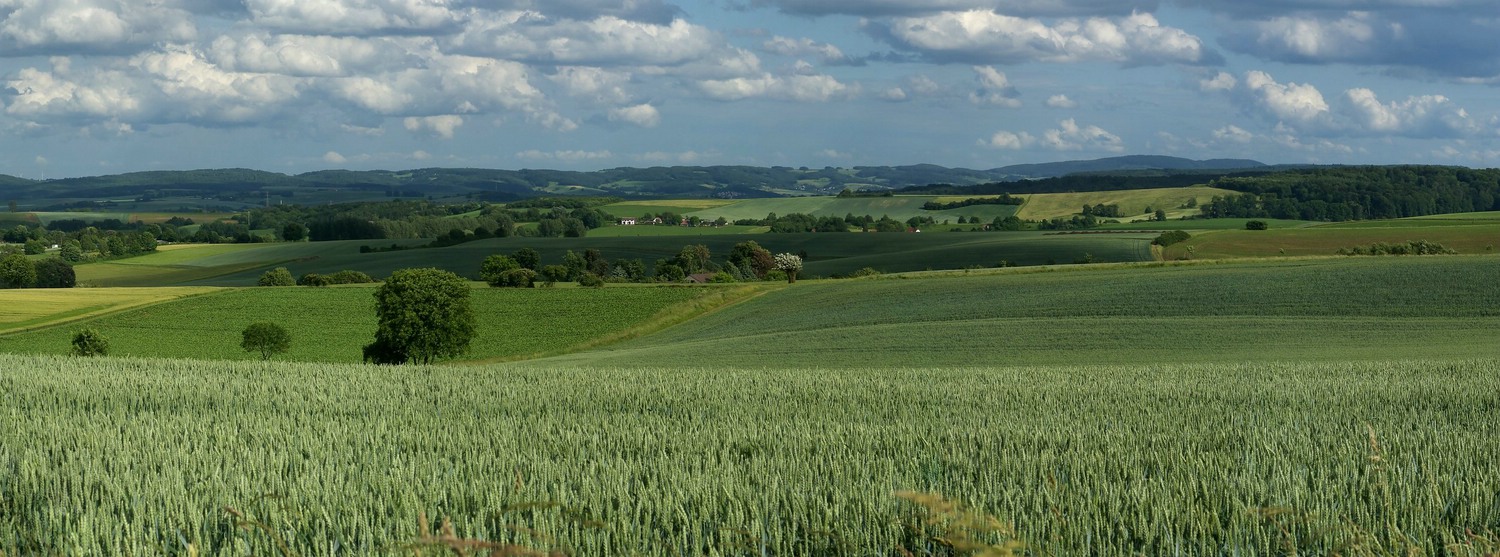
(111, 310)
(670, 316)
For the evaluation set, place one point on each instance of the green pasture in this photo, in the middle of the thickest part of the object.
(1131, 202)
(1332, 309)
(711, 454)
(1478, 238)
(332, 324)
(828, 253)
(32, 308)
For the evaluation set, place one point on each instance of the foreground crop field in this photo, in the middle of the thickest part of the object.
(332, 324)
(143, 456)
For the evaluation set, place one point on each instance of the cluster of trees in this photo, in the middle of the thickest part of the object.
(746, 261)
(280, 276)
(1358, 193)
(1002, 199)
(1416, 247)
(1111, 210)
(19, 271)
(799, 222)
(77, 243)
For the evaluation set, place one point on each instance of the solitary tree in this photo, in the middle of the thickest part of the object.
(277, 277)
(791, 264)
(423, 315)
(89, 342)
(267, 338)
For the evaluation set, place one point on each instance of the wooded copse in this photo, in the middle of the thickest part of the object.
(1358, 193)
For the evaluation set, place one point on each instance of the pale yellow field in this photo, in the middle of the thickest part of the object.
(32, 308)
(1132, 203)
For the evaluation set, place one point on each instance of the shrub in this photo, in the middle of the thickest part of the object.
(496, 266)
(349, 277)
(267, 338)
(89, 343)
(1172, 237)
(516, 278)
(590, 280)
(313, 279)
(277, 277)
(1256, 225)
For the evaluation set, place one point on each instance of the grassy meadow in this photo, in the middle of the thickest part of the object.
(899, 207)
(332, 324)
(1133, 203)
(34, 308)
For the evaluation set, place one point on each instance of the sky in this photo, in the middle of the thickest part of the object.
(91, 87)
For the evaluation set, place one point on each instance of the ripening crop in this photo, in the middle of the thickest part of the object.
(708, 457)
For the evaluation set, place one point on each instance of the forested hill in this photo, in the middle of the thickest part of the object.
(232, 188)
(1358, 193)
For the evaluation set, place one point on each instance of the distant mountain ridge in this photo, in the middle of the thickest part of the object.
(237, 187)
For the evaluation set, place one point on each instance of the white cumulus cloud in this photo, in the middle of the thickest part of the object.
(994, 89)
(1061, 101)
(443, 126)
(643, 115)
(1068, 136)
(801, 88)
(987, 37)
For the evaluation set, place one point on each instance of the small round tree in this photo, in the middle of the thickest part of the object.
(16, 271)
(423, 315)
(89, 343)
(267, 338)
(277, 277)
(789, 263)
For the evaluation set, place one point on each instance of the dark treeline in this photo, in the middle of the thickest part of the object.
(1003, 199)
(1081, 183)
(1358, 193)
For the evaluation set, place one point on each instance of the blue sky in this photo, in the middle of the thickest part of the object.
(94, 87)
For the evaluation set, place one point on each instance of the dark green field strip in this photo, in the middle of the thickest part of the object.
(829, 253)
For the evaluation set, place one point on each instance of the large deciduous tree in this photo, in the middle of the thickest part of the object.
(423, 315)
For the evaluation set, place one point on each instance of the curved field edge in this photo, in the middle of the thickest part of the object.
(36, 309)
(1317, 309)
(332, 324)
(1201, 459)
(716, 299)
